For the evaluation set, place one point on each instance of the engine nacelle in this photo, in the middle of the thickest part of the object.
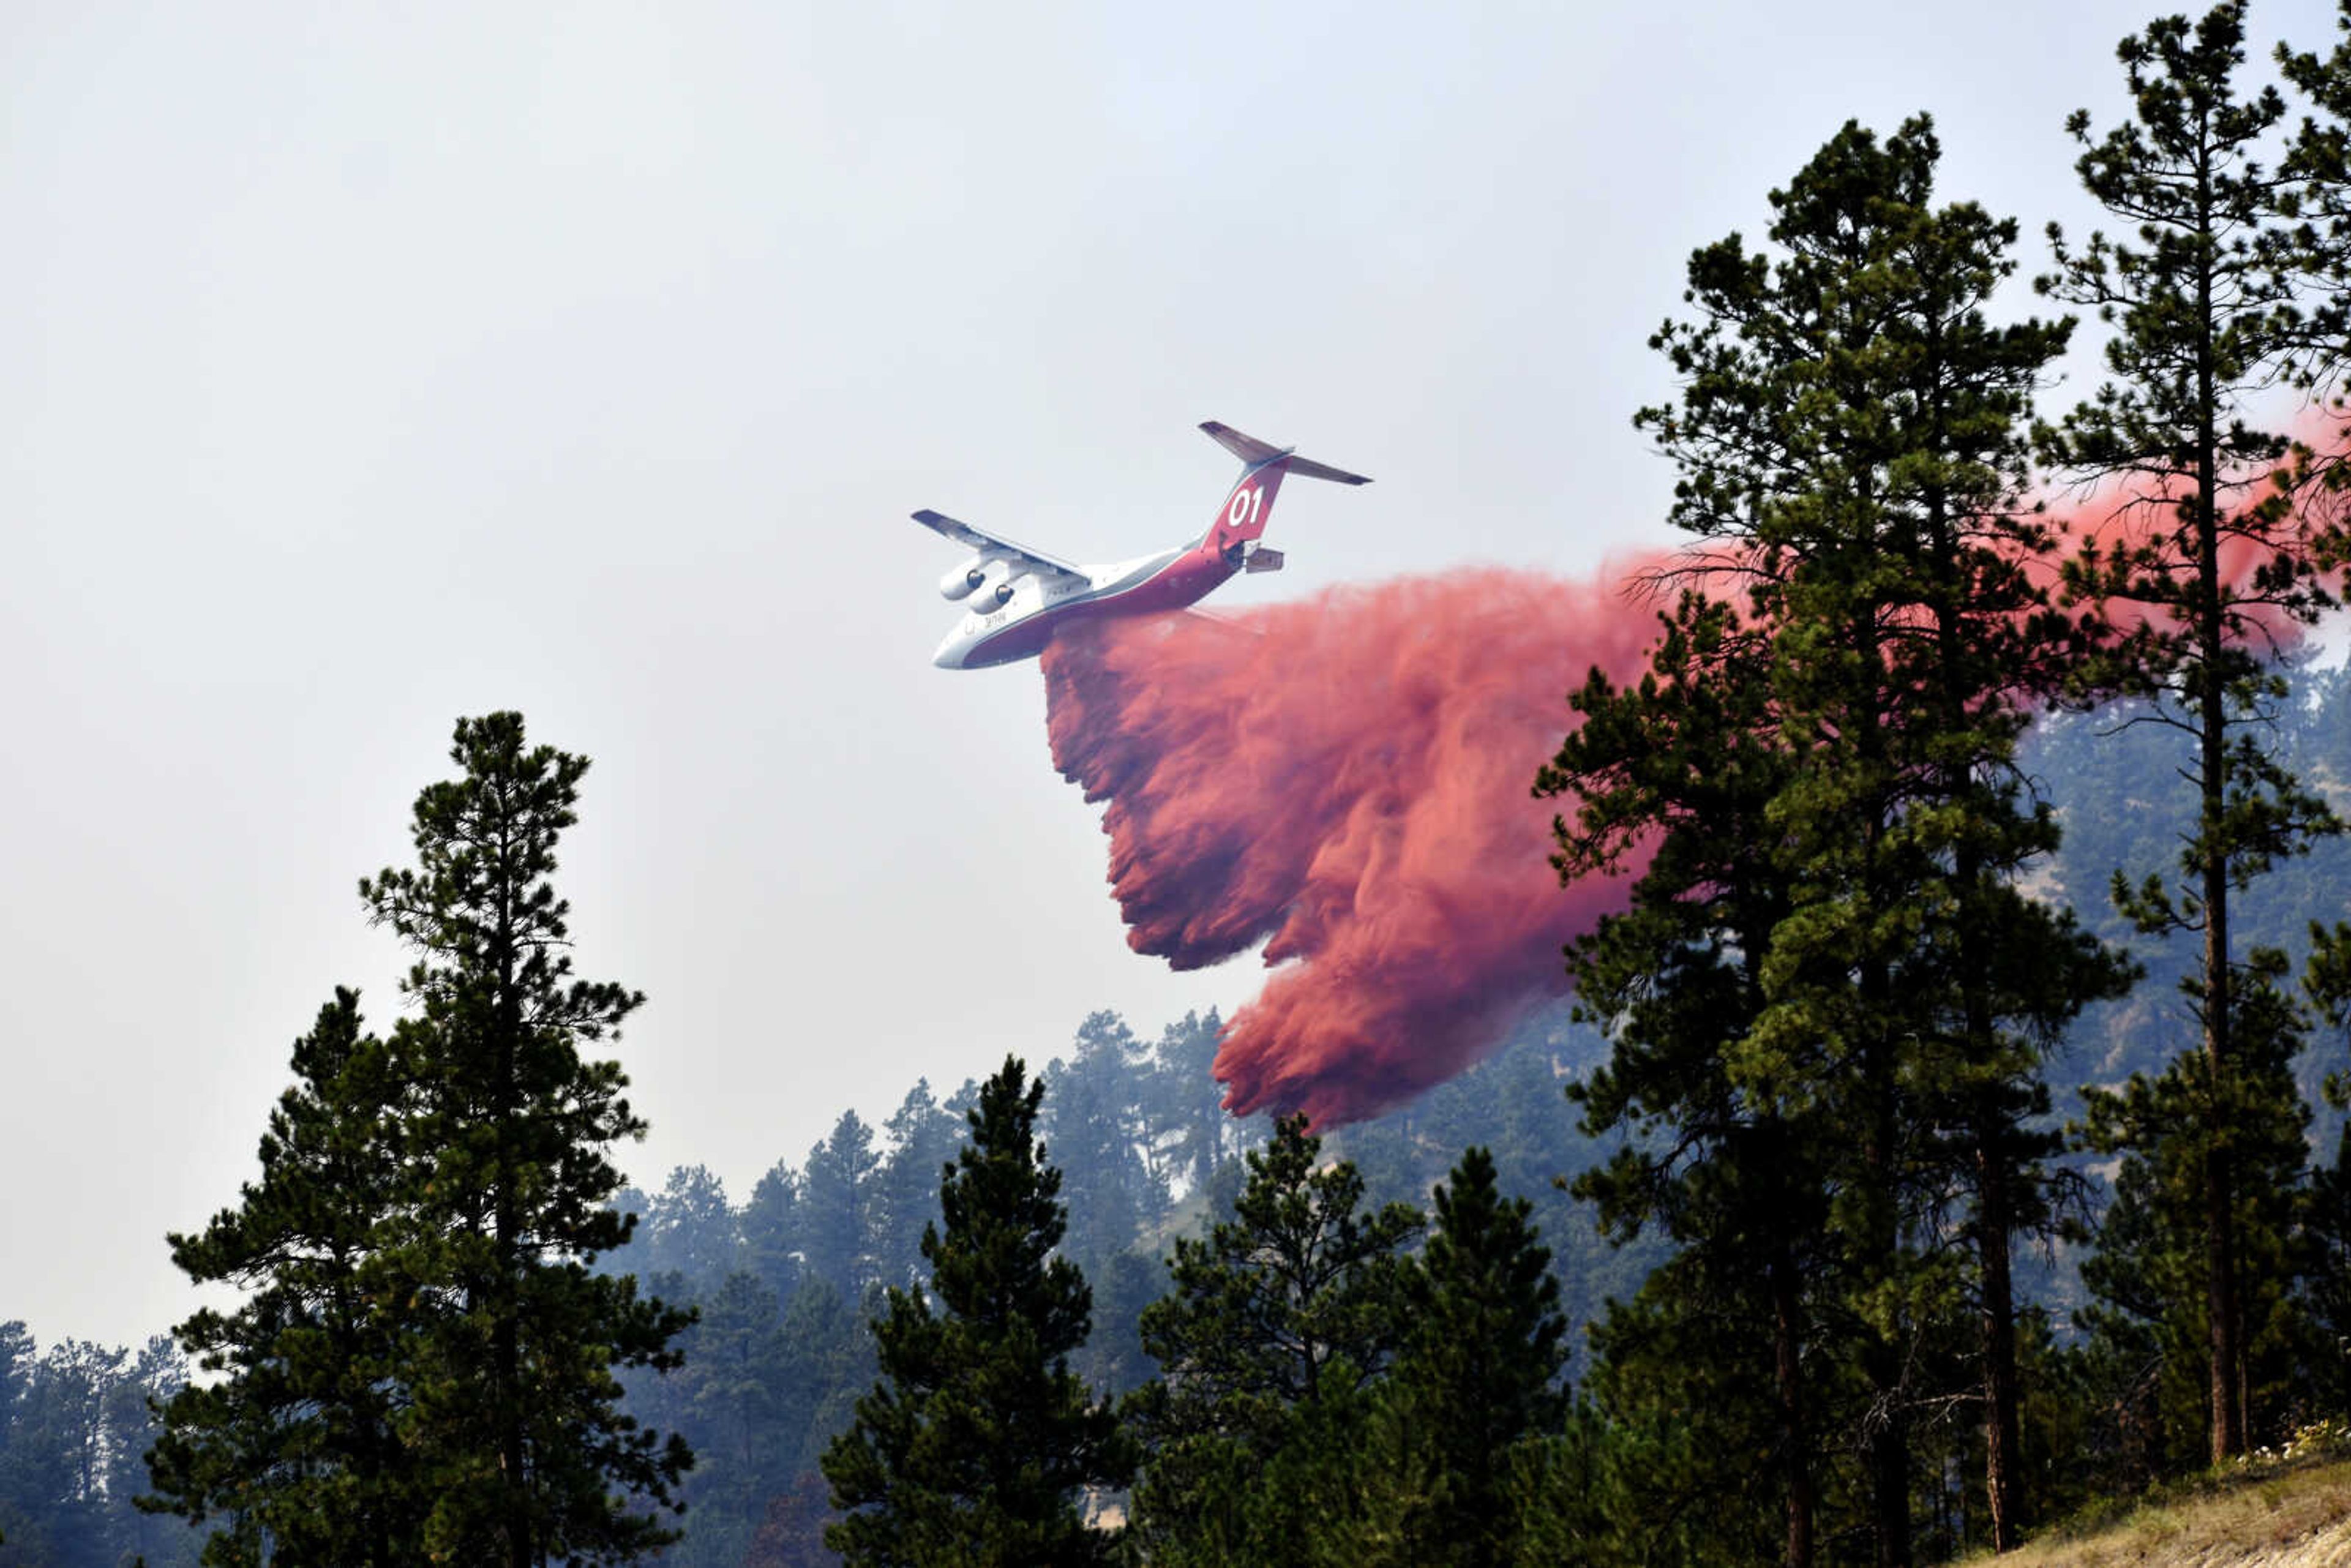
(959, 582)
(998, 583)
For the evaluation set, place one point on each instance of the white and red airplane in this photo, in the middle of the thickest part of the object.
(1015, 597)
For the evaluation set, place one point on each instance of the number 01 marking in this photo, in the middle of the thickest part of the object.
(1244, 507)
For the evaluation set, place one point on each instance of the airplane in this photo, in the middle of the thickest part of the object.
(1017, 598)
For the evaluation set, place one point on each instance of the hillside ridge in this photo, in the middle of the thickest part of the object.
(2290, 1513)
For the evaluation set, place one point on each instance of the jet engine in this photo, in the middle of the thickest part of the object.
(964, 579)
(994, 587)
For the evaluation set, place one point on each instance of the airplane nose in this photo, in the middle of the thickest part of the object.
(950, 655)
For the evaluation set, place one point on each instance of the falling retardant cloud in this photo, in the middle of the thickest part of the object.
(1348, 779)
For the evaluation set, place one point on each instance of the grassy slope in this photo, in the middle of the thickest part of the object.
(2289, 1516)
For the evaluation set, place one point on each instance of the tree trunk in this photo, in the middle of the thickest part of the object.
(1788, 1350)
(1993, 1231)
(505, 1345)
(2219, 1215)
(1887, 1436)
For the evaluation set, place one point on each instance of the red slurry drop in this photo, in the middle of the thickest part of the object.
(1348, 779)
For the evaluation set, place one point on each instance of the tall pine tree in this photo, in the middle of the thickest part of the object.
(1479, 1373)
(979, 1445)
(2201, 314)
(507, 1363)
(1685, 766)
(424, 1364)
(1274, 1330)
(1850, 432)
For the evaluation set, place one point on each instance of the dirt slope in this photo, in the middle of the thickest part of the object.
(2299, 1517)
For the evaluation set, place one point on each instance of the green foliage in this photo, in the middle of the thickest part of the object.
(838, 1204)
(1275, 1328)
(297, 1438)
(979, 1443)
(769, 1225)
(2204, 321)
(74, 1422)
(923, 1137)
(2149, 1274)
(690, 1229)
(1185, 1099)
(425, 1364)
(1094, 1127)
(1829, 1001)
(1478, 1376)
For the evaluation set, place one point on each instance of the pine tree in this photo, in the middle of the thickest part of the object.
(1092, 1121)
(512, 1422)
(1479, 1367)
(924, 1136)
(978, 1444)
(1188, 1101)
(294, 1439)
(2202, 317)
(1273, 1331)
(1850, 434)
(839, 1206)
(735, 1395)
(2149, 1270)
(691, 1230)
(1685, 766)
(770, 1223)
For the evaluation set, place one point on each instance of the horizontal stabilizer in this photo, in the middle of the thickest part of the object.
(1263, 559)
(1253, 452)
(1313, 470)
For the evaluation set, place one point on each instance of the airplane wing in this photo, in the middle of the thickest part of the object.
(975, 539)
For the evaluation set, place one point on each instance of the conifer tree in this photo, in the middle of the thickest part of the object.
(1187, 1100)
(922, 1138)
(978, 1444)
(2201, 312)
(507, 1364)
(1273, 1333)
(293, 1440)
(841, 1207)
(1480, 1362)
(1850, 434)
(1092, 1116)
(1687, 763)
(770, 1223)
(690, 1230)
(425, 1365)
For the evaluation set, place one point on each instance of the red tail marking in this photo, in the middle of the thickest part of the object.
(1245, 508)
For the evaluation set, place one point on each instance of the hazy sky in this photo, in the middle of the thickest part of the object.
(361, 367)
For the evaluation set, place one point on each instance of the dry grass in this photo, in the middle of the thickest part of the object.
(2296, 1516)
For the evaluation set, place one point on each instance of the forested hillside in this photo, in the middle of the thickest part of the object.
(786, 1276)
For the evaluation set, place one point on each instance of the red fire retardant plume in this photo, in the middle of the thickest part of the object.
(1347, 780)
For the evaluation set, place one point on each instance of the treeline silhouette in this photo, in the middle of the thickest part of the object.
(788, 1278)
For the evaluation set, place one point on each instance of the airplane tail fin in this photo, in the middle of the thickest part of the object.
(1242, 519)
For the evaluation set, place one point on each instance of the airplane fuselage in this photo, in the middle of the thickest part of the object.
(1020, 628)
